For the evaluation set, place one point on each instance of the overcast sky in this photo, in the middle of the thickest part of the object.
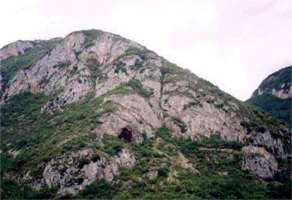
(234, 44)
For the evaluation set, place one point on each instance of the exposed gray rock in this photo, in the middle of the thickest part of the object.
(73, 172)
(53, 72)
(151, 175)
(259, 161)
(133, 111)
(68, 71)
(283, 93)
(203, 119)
(273, 144)
(14, 49)
(125, 158)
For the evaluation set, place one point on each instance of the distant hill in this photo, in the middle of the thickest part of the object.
(274, 95)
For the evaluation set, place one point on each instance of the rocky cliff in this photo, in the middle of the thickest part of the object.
(94, 112)
(274, 95)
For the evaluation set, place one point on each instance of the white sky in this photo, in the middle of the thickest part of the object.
(234, 44)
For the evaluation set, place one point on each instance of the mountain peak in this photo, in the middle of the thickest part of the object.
(84, 108)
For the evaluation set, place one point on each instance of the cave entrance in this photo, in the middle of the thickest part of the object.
(126, 134)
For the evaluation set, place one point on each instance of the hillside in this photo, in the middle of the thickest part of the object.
(274, 95)
(95, 115)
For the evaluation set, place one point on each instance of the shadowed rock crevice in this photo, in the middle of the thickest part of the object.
(126, 134)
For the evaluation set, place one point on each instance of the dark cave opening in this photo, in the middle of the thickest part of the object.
(126, 134)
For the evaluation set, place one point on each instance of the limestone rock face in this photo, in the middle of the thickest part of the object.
(75, 171)
(132, 111)
(125, 159)
(139, 92)
(283, 93)
(274, 144)
(14, 49)
(259, 161)
(202, 120)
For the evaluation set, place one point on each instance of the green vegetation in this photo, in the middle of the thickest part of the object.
(32, 134)
(275, 80)
(11, 65)
(120, 67)
(99, 189)
(132, 86)
(63, 64)
(142, 53)
(137, 86)
(263, 120)
(45, 80)
(218, 173)
(121, 89)
(11, 190)
(211, 89)
(90, 36)
(168, 68)
(165, 70)
(164, 133)
(207, 168)
(94, 69)
(279, 108)
(214, 141)
(183, 127)
(112, 145)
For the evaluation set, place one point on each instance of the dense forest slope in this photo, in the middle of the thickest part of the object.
(274, 95)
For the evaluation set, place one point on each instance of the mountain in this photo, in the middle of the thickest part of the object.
(95, 115)
(274, 95)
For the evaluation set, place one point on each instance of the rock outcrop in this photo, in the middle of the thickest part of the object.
(259, 161)
(73, 172)
(15, 49)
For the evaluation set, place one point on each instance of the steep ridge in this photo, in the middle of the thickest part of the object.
(78, 113)
(274, 95)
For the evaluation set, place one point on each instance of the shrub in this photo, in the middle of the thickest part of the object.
(183, 127)
(62, 64)
(137, 86)
(120, 67)
(94, 69)
(215, 141)
(90, 36)
(100, 190)
(112, 145)
(164, 133)
(11, 190)
(163, 172)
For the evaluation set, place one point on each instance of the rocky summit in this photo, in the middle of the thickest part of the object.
(95, 115)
